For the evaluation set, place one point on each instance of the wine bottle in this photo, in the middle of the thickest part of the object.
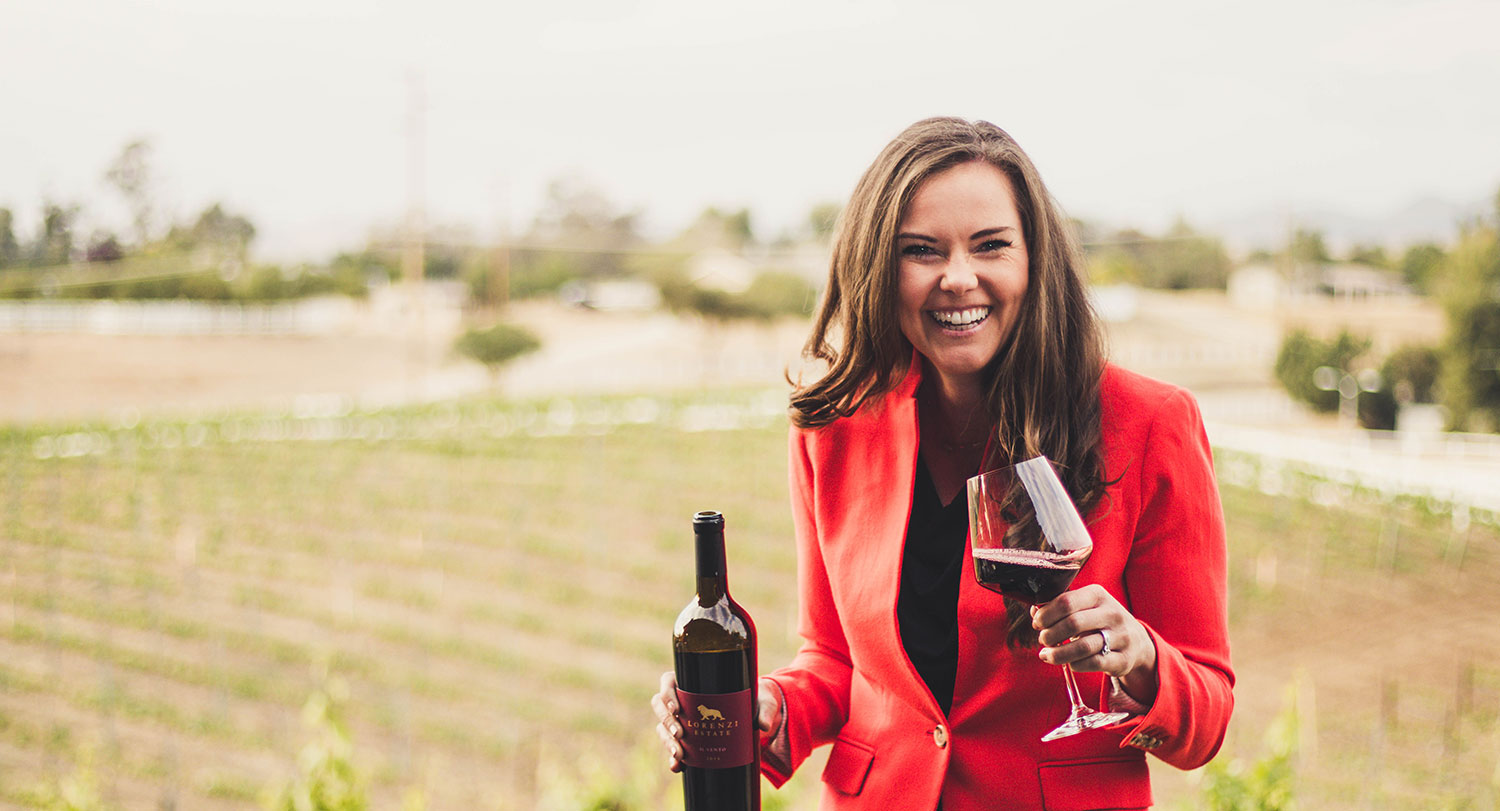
(713, 645)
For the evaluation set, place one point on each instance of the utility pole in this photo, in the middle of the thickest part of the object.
(413, 257)
(500, 259)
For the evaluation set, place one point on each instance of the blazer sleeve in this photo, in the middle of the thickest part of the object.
(815, 685)
(1176, 583)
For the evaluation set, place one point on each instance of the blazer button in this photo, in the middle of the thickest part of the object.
(1145, 741)
(940, 736)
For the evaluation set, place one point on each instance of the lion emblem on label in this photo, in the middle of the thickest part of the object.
(709, 713)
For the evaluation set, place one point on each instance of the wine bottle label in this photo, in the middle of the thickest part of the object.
(718, 729)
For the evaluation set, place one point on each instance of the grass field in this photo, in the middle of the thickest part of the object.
(496, 583)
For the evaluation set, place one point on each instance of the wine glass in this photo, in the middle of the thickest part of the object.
(1029, 543)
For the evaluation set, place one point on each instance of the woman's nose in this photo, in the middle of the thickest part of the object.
(958, 276)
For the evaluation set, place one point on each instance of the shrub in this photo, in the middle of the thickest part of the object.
(771, 294)
(1268, 784)
(266, 283)
(537, 273)
(78, 791)
(777, 293)
(1411, 373)
(327, 779)
(497, 345)
(1300, 357)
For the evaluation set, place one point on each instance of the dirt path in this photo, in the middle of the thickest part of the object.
(49, 377)
(59, 377)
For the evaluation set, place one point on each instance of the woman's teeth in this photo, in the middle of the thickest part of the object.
(958, 319)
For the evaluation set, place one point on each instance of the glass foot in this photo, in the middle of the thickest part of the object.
(1079, 723)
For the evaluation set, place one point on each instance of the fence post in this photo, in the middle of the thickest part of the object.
(1458, 539)
(1385, 721)
(1390, 541)
(1307, 721)
(1389, 701)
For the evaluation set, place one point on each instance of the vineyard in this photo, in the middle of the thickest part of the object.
(495, 581)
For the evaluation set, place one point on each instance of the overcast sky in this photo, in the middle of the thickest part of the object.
(296, 112)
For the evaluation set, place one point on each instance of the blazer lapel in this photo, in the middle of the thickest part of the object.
(886, 464)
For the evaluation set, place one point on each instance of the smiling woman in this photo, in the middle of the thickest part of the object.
(965, 343)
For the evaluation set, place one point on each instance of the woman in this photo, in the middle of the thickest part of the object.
(965, 341)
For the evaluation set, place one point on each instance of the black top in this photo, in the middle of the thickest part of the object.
(927, 608)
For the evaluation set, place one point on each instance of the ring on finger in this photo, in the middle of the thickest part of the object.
(1103, 637)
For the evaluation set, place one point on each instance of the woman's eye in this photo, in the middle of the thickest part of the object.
(993, 245)
(917, 250)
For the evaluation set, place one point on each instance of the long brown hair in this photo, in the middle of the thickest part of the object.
(1043, 384)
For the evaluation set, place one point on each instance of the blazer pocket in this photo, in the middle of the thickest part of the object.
(1095, 785)
(848, 764)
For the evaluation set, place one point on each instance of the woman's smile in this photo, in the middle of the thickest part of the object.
(967, 319)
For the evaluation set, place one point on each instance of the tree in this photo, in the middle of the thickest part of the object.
(54, 245)
(1471, 371)
(478, 272)
(1187, 259)
(497, 346)
(103, 247)
(1181, 259)
(722, 229)
(1471, 296)
(354, 272)
(577, 213)
(1307, 247)
(217, 227)
(1372, 255)
(10, 249)
(1472, 376)
(584, 230)
(1419, 264)
(1115, 258)
(217, 240)
(131, 175)
(738, 227)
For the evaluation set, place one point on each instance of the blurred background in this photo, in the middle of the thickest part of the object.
(361, 365)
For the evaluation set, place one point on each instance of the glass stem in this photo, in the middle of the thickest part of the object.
(1079, 708)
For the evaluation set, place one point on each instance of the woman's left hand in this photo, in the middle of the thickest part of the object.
(1074, 628)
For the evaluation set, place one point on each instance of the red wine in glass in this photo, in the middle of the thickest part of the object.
(1031, 576)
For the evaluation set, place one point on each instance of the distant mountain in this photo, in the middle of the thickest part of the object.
(1427, 220)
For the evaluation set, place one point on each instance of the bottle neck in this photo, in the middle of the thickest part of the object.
(713, 584)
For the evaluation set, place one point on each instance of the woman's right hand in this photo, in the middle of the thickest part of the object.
(668, 727)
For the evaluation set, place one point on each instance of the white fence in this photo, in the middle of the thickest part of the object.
(1456, 472)
(315, 316)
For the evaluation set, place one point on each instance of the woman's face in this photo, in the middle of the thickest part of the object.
(962, 270)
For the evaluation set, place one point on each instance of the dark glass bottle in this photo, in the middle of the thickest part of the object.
(713, 645)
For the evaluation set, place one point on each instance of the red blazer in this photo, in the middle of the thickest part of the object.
(1158, 547)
